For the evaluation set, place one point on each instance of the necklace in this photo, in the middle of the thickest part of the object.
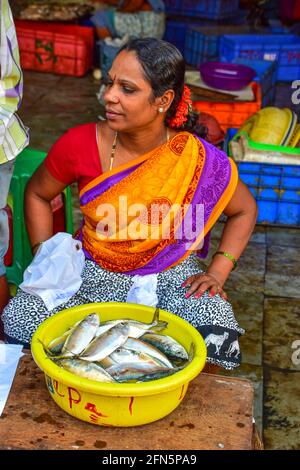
(113, 151)
(114, 146)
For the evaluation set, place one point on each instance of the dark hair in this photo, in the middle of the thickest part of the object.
(164, 69)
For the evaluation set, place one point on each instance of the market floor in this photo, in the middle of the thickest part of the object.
(264, 291)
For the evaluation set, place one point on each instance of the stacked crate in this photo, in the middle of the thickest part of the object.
(55, 47)
(202, 43)
(281, 48)
(182, 14)
(274, 187)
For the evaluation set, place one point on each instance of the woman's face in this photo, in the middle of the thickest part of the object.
(127, 95)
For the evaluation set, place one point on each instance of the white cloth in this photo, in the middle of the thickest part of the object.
(55, 272)
(9, 358)
(143, 290)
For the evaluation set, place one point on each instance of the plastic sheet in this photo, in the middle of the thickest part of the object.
(9, 359)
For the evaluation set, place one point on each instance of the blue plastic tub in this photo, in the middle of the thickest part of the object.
(274, 187)
(282, 48)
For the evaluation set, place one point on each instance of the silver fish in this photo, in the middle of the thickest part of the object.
(108, 325)
(89, 370)
(55, 346)
(166, 372)
(159, 374)
(128, 356)
(81, 336)
(127, 371)
(166, 345)
(106, 362)
(136, 328)
(143, 347)
(105, 344)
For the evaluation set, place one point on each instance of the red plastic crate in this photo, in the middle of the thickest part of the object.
(231, 114)
(55, 48)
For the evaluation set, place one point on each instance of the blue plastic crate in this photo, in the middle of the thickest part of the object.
(200, 48)
(202, 43)
(228, 137)
(212, 9)
(274, 187)
(295, 28)
(175, 33)
(173, 6)
(283, 48)
(276, 191)
(268, 98)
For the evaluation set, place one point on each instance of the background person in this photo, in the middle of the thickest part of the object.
(13, 135)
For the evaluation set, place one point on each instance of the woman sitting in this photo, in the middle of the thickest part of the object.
(145, 156)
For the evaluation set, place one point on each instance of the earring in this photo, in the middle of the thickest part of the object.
(161, 110)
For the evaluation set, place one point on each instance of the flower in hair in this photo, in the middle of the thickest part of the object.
(183, 108)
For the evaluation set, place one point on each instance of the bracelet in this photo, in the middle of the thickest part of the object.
(37, 245)
(229, 256)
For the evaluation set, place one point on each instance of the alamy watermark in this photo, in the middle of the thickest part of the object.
(157, 221)
(296, 93)
(296, 353)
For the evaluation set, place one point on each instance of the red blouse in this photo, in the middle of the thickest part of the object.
(75, 156)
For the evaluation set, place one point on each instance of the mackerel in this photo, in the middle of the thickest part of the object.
(81, 335)
(104, 345)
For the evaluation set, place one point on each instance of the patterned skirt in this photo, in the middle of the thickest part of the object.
(212, 316)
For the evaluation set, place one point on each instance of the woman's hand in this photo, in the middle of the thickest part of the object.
(200, 283)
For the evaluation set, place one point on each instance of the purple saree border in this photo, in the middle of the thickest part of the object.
(100, 188)
(172, 253)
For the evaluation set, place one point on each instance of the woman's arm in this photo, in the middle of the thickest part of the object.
(242, 214)
(40, 190)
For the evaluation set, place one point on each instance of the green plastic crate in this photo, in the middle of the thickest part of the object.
(25, 165)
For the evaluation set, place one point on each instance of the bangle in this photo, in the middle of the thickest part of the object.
(36, 246)
(229, 256)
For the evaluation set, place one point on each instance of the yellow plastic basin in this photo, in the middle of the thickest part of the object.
(109, 404)
(271, 125)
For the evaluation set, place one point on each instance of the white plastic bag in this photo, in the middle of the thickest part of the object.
(55, 272)
(9, 359)
(143, 290)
